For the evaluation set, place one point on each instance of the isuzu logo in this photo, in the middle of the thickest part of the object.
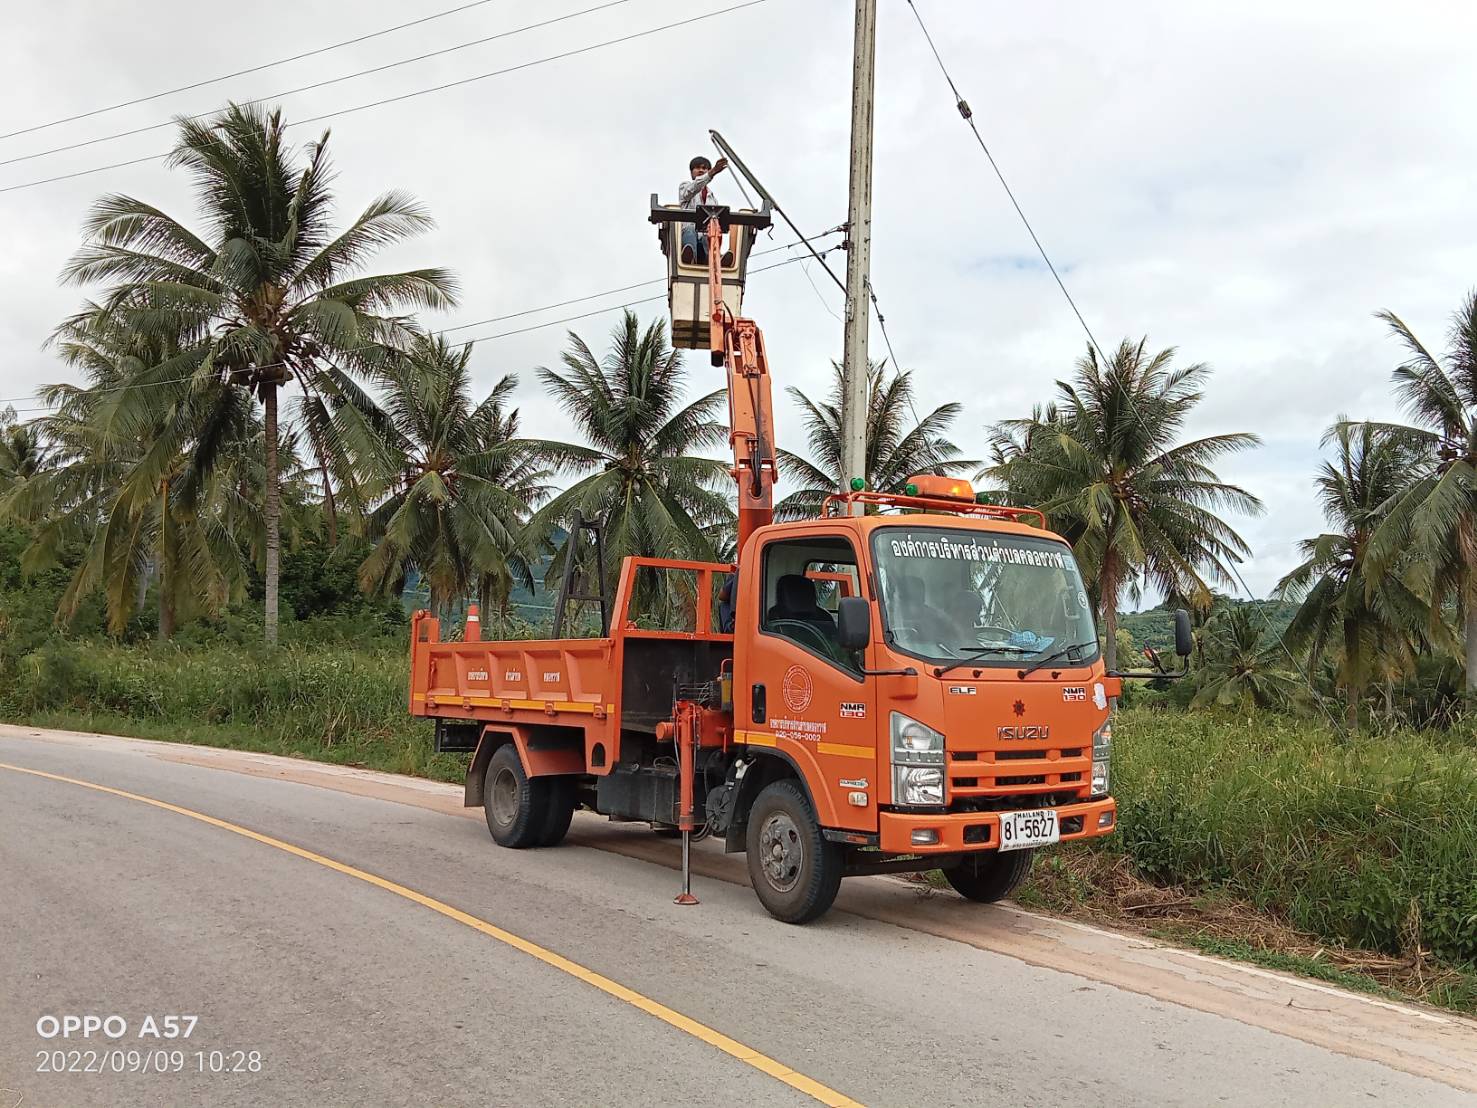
(1026, 731)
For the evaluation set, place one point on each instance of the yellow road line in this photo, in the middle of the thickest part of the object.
(748, 1055)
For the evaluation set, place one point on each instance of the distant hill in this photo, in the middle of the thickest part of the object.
(1155, 626)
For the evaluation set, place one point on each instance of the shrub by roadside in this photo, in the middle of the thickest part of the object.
(1369, 840)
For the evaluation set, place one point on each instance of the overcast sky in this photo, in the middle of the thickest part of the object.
(1247, 182)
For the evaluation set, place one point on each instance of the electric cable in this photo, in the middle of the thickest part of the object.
(414, 93)
(498, 319)
(316, 85)
(738, 163)
(242, 72)
(1232, 564)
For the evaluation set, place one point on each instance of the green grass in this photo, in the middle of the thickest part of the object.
(1369, 841)
(330, 703)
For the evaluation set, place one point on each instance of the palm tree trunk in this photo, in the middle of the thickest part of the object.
(1108, 582)
(330, 509)
(1352, 712)
(166, 602)
(271, 511)
(166, 612)
(1471, 644)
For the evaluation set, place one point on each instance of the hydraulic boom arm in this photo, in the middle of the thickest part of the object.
(750, 414)
(738, 344)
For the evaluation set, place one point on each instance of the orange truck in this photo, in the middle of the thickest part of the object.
(911, 681)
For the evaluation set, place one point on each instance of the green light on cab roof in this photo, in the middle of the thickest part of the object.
(910, 489)
(984, 498)
(857, 484)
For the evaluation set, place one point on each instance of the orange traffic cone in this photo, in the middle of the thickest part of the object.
(474, 625)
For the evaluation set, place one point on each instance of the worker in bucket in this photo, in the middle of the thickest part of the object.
(692, 194)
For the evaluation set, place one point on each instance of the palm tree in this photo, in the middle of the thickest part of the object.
(457, 482)
(1435, 516)
(1369, 625)
(142, 516)
(1239, 670)
(1106, 470)
(24, 452)
(895, 451)
(642, 474)
(265, 294)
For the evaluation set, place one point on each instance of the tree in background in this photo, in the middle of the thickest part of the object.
(1369, 625)
(641, 464)
(140, 516)
(453, 481)
(896, 448)
(263, 295)
(1106, 470)
(24, 452)
(1434, 517)
(1238, 670)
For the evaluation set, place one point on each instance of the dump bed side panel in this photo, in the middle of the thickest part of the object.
(533, 683)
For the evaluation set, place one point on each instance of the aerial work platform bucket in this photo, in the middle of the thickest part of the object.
(688, 286)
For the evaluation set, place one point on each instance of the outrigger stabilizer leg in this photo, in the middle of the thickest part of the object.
(685, 739)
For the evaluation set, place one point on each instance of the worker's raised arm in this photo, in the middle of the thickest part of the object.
(688, 189)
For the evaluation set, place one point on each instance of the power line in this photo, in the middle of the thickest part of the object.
(968, 117)
(739, 164)
(964, 111)
(418, 92)
(630, 304)
(242, 72)
(511, 315)
(612, 292)
(318, 84)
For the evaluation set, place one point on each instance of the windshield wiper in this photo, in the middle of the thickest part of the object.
(1003, 648)
(1062, 653)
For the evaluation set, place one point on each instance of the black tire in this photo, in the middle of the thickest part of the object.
(795, 872)
(990, 875)
(558, 812)
(516, 807)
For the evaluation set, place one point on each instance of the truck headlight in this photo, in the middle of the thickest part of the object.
(914, 743)
(918, 785)
(1102, 756)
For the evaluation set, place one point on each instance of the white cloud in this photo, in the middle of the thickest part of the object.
(1246, 182)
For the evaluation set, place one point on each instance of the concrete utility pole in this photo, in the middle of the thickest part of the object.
(859, 248)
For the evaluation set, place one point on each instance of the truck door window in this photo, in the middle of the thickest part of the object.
(803, 582)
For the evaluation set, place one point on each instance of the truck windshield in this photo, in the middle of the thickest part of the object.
(998, 599)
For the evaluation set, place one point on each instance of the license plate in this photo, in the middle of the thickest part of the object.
(1019, 830)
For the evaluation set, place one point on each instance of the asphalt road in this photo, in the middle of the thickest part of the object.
(349, 991)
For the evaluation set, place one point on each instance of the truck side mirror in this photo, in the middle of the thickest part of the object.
(853, 622)
(1184, 642)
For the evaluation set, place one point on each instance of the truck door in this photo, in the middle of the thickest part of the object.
(801, 693)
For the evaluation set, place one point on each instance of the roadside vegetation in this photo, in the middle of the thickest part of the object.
(215, 537)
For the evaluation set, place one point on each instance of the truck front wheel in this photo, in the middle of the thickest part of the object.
(516, 807)
(794, 870)
(989, 875)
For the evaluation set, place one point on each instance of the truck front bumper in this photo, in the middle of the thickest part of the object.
(967, 831)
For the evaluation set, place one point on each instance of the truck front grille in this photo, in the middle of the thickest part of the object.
(1016, 776)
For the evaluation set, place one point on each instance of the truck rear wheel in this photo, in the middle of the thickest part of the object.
(990, 875)
(517, 807)
(795, 872)
(558, 811)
